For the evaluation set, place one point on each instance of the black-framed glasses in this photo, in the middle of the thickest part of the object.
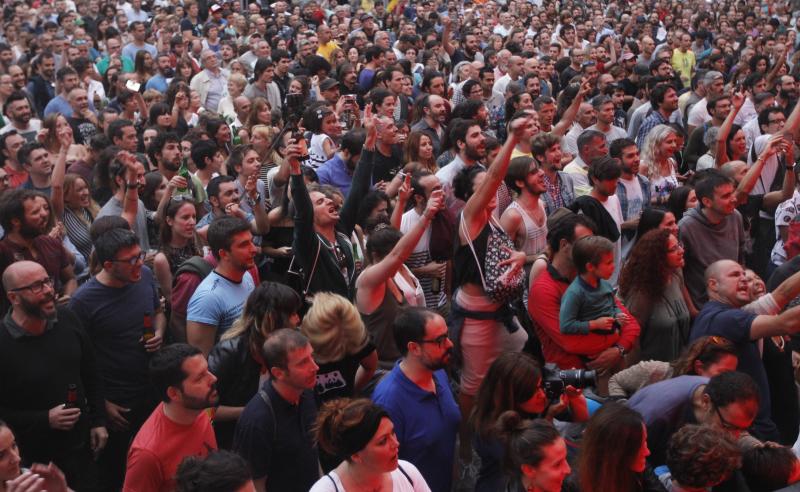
(728, 425)
(439, 341)
(133, 259)
(36, 287)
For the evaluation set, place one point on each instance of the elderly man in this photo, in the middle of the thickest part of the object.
(210, 83)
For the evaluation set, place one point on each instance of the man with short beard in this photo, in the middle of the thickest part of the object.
(121, 311)
(179, 426)
(161, 80)
(338, 171)
(41, 86)
(18, 78)
(434, 117)
(83, 121)
(469, 50)
(417, 396)
(17, 109)
(470, 146)
(165, 153)
(33, 400)
(787, 94)
(633, 189)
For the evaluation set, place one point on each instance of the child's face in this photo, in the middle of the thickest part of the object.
(604, 269)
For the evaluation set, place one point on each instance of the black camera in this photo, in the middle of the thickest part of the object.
(295, 105)
(556, 380)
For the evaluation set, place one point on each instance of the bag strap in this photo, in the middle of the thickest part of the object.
(313, 269)
(335, 487)
(463, 226)
(405, 474)
(265, 397)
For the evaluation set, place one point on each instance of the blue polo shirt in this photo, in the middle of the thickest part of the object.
(426, 424)
(334, 172)
(734, 324)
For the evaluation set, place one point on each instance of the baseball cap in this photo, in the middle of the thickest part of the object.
(328, 84)
(215, 8)
(711, 76)
(627, 56)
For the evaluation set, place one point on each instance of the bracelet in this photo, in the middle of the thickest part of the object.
(620, 348)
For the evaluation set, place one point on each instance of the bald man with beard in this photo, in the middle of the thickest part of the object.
(49, 355)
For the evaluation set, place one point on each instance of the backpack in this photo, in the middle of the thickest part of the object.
(196, 265)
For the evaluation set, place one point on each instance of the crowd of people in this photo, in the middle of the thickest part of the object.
(328, 246)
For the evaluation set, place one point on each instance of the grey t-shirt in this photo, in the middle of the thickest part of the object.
(114, 207)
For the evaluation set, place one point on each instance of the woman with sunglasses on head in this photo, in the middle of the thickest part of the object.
(361, 435)
(513, 384)
(651, 286)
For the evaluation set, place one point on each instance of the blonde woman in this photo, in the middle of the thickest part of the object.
(346, 358)
(236, 85)
(659, 166)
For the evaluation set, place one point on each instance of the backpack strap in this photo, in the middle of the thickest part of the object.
(408, 477)
(196, 265)
(265, 397)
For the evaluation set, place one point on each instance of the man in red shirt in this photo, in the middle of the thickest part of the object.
(179, 426)
(592, 351)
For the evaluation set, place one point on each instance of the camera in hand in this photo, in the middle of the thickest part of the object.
(556, 380)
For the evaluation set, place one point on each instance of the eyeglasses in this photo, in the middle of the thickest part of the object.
(133, 259)
(439, 341)
(36, 287)
(781, 120)
(728, 425)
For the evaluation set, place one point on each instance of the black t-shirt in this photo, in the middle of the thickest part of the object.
(188, 25)
(275, 439)
(337, 379)
(82, 129)
(385, 167)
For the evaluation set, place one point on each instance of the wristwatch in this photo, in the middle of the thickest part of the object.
(620, 348)
(253, 201)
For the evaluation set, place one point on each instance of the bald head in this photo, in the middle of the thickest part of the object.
(22, 273)
(717, 269)
(734, 170)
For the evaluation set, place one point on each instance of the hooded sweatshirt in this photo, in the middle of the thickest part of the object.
(704, 243)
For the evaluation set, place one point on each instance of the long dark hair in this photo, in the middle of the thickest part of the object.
(165, 230)
(646, 272)
(511, 380)
(611, 442)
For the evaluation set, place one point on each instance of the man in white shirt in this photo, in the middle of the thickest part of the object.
(591, 145)
(714, 83)
(513, 72)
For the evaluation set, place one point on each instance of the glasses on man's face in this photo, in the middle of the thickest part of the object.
(439, 341)
(133, 259)
(728, 425)
(36, 287)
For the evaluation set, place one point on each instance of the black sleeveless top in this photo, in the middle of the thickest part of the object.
(465, 270)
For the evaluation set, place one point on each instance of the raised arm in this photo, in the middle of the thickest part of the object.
(787, 290)
(475, 214)
(447, 24)
(786, 323)
(402, 199)
(568, 118)
(371, 282)
(130, 205)
(737, 100)
(57, 191)
(360, 184)
(773, 74)
(775, 198)
(749, 181)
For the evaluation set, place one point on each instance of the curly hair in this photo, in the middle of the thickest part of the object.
(706, 350)
(701, 456)
(646, 270)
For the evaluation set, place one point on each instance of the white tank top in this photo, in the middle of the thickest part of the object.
(535, 235)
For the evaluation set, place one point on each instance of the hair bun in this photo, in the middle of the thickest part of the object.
(510, 423)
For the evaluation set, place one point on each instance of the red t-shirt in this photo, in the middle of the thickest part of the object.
(159, 448)
(569, 351)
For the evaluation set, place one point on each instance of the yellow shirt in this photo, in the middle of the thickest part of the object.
(683, 63)
(326, 49)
